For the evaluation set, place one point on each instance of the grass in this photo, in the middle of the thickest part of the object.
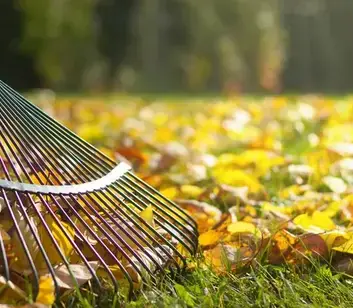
(263, 286)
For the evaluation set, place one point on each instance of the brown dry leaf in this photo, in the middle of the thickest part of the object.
(204, 214)
(10, 292)
(280, 245)
(228, 257)
(309, 245)
(133, 155)
(344, 265)
(79, 271)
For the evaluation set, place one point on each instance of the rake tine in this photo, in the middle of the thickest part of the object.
(48, 172)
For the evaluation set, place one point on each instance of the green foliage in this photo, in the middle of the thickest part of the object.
(61, 35)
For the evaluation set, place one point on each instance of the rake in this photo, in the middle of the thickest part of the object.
(63, 202)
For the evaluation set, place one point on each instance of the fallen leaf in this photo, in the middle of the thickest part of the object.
(79, 272)
(9, 292)
(61, 238)
(317, 222)
(209, 238)
(310, 245)
(336, 184)
(242, 227)
(46, 293)
(346, 247)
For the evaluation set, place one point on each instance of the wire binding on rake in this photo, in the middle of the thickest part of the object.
(56, 188)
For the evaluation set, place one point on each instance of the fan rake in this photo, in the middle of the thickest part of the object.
(63, 202)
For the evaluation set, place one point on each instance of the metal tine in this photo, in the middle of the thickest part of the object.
(140, 220)
(53, 240)
(72, 242)
(33, 131)
(164, 226)
(136, 224)
(9, 155)
(25, 215)
(172, 208)
(26, 148)
(47, 206)
(107, 205)
(56, 217)
(133, 239)
(118, 247)
(6, 170)
(21, 239)
(112, 219)
(29, 223)
(38, 242)
(148, 253)
(97, 238)
(116, 235)
(143, 199)
(53, 124)
(74, 153)
(39, 140)
(14, 155)
(5, 264)
(130, 195)
(156, 251)
(156, 192)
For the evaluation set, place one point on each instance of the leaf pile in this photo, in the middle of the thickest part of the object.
(42, 231)
(268, 181)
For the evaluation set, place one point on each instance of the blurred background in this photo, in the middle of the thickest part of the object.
(188, 46)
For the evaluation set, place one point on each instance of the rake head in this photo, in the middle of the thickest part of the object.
(66, 207)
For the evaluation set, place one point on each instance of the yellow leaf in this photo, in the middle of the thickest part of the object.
(242, 227)
(269, 207)
(61, 239)
(209, 238)
(334, 238)
(333, 208)
(316, 223)
(22, 264)
(170, 192)
(293, 191)
(237, 177)
(190, 191)
(147, 214)
(346, 247)
(260, 161)
(46, 294)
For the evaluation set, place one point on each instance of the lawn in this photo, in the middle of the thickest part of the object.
(267, 179)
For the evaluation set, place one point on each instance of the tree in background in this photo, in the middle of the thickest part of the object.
(61, 35)
(186, 45)
(206, 45)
